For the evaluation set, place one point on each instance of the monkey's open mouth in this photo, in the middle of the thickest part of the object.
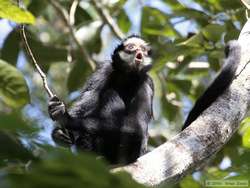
(138, 58)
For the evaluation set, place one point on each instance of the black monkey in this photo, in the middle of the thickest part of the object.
(220, 84)
(115, 106)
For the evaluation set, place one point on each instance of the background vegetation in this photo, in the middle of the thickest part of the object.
(188, 38)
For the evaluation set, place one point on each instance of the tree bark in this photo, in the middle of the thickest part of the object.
(205, 136)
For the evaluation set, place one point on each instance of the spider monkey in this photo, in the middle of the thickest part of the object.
(114, 109)
(112, 113)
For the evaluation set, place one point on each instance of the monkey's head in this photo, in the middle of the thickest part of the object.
(133, 54)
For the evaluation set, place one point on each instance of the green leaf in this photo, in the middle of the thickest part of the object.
(46, 54)
(246, 138)
(123, 21)
(189, 182)
(200, 17)
(37, 7)
(154, 22)
(11, 12)
(78, 75)
(13, 88)
(82, 16)
(12, 148)
(11, 47)
(213, 32)
(15, 123)
(195, 41)
(182, 85)
(232, 32)
(60, 168)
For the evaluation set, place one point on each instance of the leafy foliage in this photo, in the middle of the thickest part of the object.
(188, 41)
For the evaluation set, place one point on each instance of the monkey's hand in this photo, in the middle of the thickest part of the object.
(56, 109)
(61, 138)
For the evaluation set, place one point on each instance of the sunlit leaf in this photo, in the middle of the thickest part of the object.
(11, 12)
(246, 138)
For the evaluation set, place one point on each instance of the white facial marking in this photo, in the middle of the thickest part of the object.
(136, 41)
(147, 61)
(135, 54)
(128, 58)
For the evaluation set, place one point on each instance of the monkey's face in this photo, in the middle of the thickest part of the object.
(136, 53)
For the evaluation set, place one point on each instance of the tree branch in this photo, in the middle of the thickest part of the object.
(39, 70)
(104, 14)
(33, 59)
(204, 137)
(72, 12)
(65, 18)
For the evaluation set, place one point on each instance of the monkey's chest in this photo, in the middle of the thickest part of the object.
(114, 104)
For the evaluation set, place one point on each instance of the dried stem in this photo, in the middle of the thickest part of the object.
(66, 21)
(104, 14)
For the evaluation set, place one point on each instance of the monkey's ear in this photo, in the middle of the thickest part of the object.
(150, 52)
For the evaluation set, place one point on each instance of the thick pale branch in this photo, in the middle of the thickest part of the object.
(72, 12)
(205, 136)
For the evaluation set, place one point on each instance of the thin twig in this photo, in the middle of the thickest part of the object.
(38, 68)
(65, 17)
(33, 59)
(104, 14)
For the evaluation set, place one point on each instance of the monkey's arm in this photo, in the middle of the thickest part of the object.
(219, 85)
(85, 105)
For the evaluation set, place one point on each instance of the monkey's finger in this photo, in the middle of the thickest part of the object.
(59, 107)
(54, 104)
(58, 113)
(60, 137)
(54, 98)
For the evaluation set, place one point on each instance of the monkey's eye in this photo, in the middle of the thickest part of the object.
(130, 47)
(143, 48)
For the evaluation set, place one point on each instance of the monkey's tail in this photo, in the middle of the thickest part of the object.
(220, 84)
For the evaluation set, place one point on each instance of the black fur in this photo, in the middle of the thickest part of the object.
(112, 114)
(219, 85)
